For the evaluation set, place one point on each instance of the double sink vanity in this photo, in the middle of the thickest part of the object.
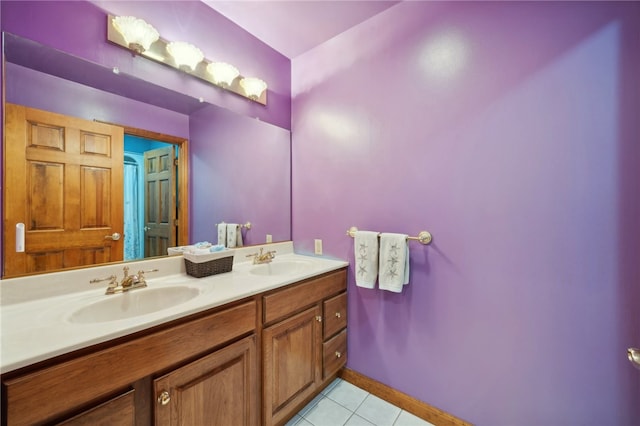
(247, 347)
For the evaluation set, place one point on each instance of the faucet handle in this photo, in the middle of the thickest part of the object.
(111, 278)
(141, 277)
(255, 254)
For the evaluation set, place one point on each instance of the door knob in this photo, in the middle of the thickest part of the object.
(146, 228)
(115, 236)
(634, 356)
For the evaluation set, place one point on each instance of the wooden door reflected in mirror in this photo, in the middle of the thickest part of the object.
(64, 182)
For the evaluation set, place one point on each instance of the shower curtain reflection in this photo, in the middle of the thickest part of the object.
(133, 209)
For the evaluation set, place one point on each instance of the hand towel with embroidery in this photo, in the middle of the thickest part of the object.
(222, 234)
(365, 244)
(394, 262)
(232, 234)
(239, 242)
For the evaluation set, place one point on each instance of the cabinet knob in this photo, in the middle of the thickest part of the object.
(338, 354)
(164, 398)
(318, 318)
(338, 315)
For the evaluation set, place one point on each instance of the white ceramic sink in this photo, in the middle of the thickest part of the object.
(132, 304)
(285, 267)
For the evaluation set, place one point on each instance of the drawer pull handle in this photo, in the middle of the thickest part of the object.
(338, 315)
(318, 318)
(164, 398)
(338, 354)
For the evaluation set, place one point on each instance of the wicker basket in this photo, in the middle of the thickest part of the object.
(204, 265)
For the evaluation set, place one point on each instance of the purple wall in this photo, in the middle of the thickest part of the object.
(240, 172)
(49, 22)
(509, 130)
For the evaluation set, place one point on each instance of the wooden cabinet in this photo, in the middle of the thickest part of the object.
(304, 343)
(218, 389)
(204, 369)
(72, 389)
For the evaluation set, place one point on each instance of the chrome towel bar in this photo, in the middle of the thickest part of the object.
(424, 237)
(242, 225)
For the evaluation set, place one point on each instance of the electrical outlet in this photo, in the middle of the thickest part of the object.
(269, 238)
(318, 246)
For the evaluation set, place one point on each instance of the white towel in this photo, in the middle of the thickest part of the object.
(222, 234)
(394, 262)
(365, 245)
(239, 242)
(233, 229)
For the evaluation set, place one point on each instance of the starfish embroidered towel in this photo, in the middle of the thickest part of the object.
(222, 234)
(365, 245)
(394, 262)
(233, 229)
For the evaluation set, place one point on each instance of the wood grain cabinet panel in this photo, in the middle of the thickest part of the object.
(334, 354)
(117, 411)
(291, 363)
(335, 314)
(218, 389)
(283, 303)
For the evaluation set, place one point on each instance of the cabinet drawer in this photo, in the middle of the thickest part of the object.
(290, 300)
(334, 354)
(335, 314)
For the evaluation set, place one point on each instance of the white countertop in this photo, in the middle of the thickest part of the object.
(35, 320)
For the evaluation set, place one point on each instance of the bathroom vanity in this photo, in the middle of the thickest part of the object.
(252, 347)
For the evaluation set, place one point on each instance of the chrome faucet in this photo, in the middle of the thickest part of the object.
(129, 282)
(259, 258)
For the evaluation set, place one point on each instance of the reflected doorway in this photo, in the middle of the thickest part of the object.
(150, 207)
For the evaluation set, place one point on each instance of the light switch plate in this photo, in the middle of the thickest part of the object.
(269, 238)
(318, 246)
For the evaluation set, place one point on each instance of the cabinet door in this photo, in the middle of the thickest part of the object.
(291, 363)
(218, 389)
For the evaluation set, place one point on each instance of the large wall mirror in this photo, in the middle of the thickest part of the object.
(238, 167)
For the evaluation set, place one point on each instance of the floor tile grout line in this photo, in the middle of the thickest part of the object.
(342, 405)
(397, 417)
(362, 402)
(352, 414)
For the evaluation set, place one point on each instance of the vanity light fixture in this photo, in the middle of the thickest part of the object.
(223, 73)
(253, 87)
(137, 33)
(185, 54)
(184, 57)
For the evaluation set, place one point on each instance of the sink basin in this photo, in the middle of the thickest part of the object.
(285, 267)
(132, 304)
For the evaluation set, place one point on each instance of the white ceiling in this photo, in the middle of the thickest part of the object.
(293, 27)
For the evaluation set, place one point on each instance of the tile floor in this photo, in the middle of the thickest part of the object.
(343, 404)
